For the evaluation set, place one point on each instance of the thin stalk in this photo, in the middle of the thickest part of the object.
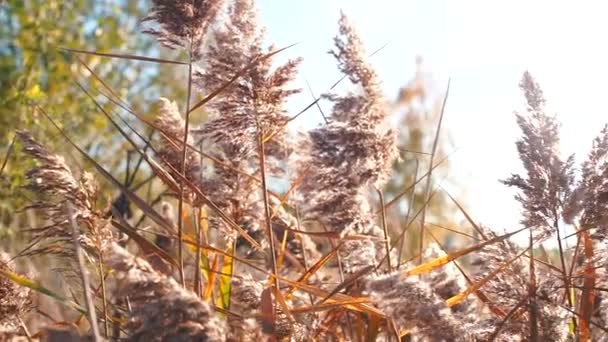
(269, 231)
(407, 214)
(532, 304)
(25, 329)
(385, 229)
(198, 280)
(103, 296)
(8, 154)
(198, 286)
(92, 315)
(563, 264)
(427, 190)
(180, 205)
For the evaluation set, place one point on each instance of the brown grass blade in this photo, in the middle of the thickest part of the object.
(373, 329)
(267, 217)
(125, 56)
(157, 218)
(466, 214)
(268, 313)
(146, 246)
(8, 154)
(506, 319)
(100, 80)
(351, 280)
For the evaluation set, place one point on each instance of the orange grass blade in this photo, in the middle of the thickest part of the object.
(329, 306)
(440, 261)
(476, 286)
(211, 283)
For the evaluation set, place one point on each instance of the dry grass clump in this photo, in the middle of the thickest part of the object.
(226, 258)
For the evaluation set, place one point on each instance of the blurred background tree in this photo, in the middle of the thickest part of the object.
(418, 109)
(36, 71)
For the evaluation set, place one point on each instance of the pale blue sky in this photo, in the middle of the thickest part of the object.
(484, 46)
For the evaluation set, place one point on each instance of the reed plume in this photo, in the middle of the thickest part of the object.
(351, 153)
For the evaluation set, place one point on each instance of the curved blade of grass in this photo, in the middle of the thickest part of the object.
(8, 154)
(36, 286)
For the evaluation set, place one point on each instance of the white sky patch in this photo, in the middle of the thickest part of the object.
(484, 47)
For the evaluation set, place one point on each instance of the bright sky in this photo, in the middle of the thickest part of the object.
(484, 46)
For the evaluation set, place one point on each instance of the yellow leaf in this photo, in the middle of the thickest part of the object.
(35, 93)
(226, 278)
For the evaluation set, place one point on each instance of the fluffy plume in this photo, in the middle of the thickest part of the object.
(549, 180)
(447, 281)
(182, 23)
(171, 123)
(60, 192)
(351, 153)
(253, 104)
(510, 286)
(251, 107)
(161, 310)
(413, 305)
(594, 204)
(246, 297)
(15, 300)
(594, 185)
